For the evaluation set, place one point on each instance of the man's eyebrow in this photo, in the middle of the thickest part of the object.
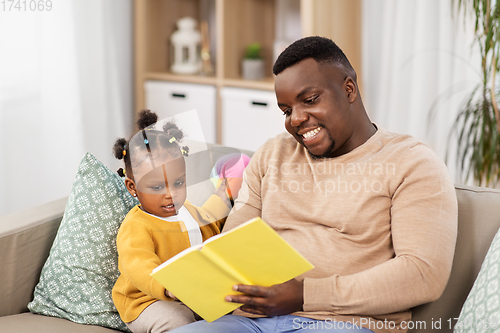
(299, 95)
(304, 91)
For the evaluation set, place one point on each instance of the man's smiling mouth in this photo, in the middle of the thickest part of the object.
(312, 133)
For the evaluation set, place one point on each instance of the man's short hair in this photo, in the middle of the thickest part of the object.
(320, 49)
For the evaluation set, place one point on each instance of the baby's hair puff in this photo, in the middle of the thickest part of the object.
(120, 152)
(175, 134)
(146, 118)
(148, 139)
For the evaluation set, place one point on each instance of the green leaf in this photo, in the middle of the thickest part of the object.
(478, 140)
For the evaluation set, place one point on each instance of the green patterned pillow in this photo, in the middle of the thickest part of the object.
(481, 310)
(82, 267)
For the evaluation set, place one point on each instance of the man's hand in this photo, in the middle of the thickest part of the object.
(271, 301)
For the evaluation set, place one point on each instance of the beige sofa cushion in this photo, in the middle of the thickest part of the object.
(478, 222)
(28, 322)
(25, 241)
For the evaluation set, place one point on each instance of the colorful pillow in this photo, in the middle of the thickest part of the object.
(481, 310)
(82, 267)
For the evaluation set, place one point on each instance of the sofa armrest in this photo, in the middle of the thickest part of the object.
(478, 222)
(25, 241)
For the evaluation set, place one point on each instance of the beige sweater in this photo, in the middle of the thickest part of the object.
(379, 224)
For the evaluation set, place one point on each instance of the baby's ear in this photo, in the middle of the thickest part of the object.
(130, 185)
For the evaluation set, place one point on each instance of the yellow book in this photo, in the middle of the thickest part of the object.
(252, 253)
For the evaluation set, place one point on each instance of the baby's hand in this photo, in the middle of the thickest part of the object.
(224, 190)
(228, 173)
(169, 294)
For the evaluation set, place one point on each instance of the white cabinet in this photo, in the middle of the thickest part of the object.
(170, 98)
(249, 117)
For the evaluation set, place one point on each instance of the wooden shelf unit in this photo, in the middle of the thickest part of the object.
(237, 23)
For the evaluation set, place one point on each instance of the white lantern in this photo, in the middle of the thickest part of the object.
(186, 47)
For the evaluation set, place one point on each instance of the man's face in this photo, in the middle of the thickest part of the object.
(317, 102)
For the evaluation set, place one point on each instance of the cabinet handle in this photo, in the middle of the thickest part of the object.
(179, 95)
(259, 103)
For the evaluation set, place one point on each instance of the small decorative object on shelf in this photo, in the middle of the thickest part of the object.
(252, 65)
(186, 47)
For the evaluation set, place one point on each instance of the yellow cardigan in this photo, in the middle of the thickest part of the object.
(144, 242)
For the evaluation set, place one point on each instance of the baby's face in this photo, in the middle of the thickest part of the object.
(162, 191)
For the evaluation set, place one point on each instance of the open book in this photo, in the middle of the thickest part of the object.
(252, 253)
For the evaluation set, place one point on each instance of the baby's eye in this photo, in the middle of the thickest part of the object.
(157, 188)
(287, 111)
(179, 183)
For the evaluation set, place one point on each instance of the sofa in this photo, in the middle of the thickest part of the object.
(26, 238)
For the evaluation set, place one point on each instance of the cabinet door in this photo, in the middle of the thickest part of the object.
(170, 98)
(249, 117)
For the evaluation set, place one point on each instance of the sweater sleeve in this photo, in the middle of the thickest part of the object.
(423, 228)
(216, 207)
(136, 253)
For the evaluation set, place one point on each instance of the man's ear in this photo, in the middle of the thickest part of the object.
(351, 89)
(130, 185)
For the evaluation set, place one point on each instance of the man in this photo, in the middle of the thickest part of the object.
(375, 212)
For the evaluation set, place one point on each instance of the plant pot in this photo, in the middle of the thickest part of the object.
(252, 69)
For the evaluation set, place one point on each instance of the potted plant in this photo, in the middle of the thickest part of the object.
(252, 65)
(477, 126)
